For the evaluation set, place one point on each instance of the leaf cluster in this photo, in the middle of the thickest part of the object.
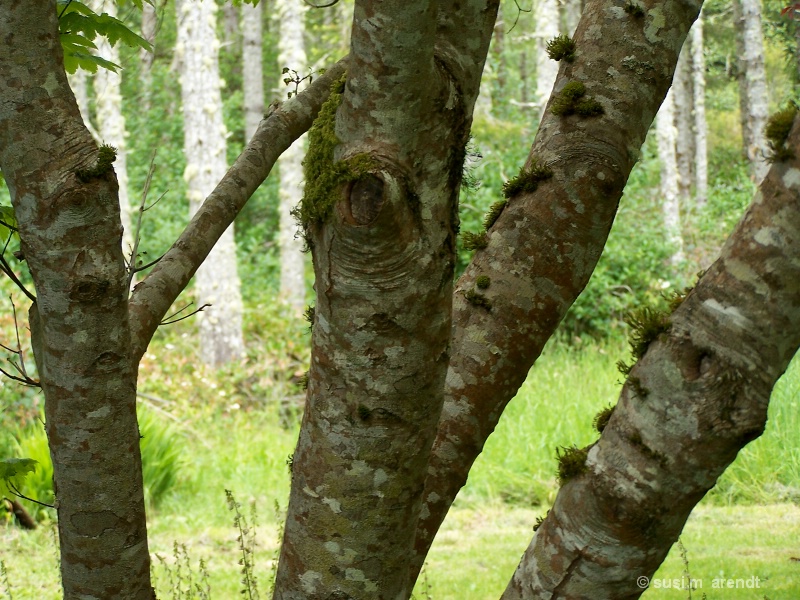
(79, 25)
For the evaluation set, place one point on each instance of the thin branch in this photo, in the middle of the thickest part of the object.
(19, 494)
(64, 10)
(137, 234)
(25, 379)
(148, 265)
(312, 5)
(191, 314)
(9, 272)
(520, 10)
(8, 225)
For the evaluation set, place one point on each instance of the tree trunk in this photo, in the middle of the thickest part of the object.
(79, 322)
(696, 397)
(700, 125)
(753, 98)
(571, 15)
(667, 135)
(217, 281)
(291, 54)
(682, 95)
(546, 69)
(78, 81)
(111, 123)
(252, 71)
(383, 243)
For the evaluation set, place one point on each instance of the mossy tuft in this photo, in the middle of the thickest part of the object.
(309, 314)
(633, 9)
(363, 412)
(777, 133)
(322, 175)
(483, 282)
(527, 180)
(106, 157)
(474, 241)
(493, 214)
(477, 299)
(602, 418)
(646, 325)
(571, 462)
(572, 100)
(561, 47)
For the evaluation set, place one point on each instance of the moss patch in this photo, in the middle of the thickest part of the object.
(571, 462)
(561, 47)
(493, 214)
(634, 9)
(483, 282)
(527, 180)
(646, 324)
(602, 418)
(106, 158)
(474, 241)
(323, 176)
(572, 100)
(777, 133)
(477, 299)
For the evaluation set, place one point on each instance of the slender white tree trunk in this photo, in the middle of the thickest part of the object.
(149, 26)
(78, 81)
(666, 136)
(753, 98)
(571, 14)
(700, 125)
(111, 122)
(546, 69)
(291, 54)
(216, 281)
(684, 121)
(253, 73)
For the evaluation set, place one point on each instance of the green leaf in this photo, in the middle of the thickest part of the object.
(14, 470)
(75, 59)
(8, 224)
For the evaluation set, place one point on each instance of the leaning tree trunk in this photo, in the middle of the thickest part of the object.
(62, 188)
(699, 101)
(697, 396)
(252, 69)
(670, 204)
(217, 281)
(381, 223)
(292, 55)
(546, 70)
(753, 99)
(149, 26)
(111, 122)
(682, 95)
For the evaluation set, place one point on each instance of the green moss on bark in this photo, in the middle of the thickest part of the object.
(571, 462)
(474, 241)
(561, 47)
(105, 160)
(777, 133)
(526, 181)
(572, 100)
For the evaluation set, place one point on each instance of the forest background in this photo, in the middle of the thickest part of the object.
(209, 428)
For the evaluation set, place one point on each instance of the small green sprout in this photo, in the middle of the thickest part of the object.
(527, 180)
(482, 282)
(561, 47)
(477, 299)
(571, 462)
(474, 241)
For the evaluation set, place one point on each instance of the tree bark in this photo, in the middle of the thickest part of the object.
(217, 281)
(79, 322)
(752, 84)
(383, 259)
(666, 134)
(700, 124)
(543, 247)
(698, 395)
(291, 54)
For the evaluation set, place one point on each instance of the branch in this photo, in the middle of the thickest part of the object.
(152, 297)
(19, 494)
(25, 379)
(169, 320)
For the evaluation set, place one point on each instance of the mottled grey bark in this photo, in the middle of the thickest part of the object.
(698, 395)
(79, 322)
(753, 100)
(547, 21)
(383, 259)
(292, 54)
(667, 134)
(252, 68)
(544, 246)
(683, 97)
(700, 124)
(111, 122)
(216, 281)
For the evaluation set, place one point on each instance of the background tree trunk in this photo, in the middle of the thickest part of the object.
(79, 321)
(699, 102)
(682, 95)
(111, 122)
(753, 98)
(291, 53)
(149, 27)
(252, 71)
(216, 281)
(666, 135)
(547, 20)
(571, 15)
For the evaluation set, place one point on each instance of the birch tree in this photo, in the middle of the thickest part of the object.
(292, 56)
(547, 20)
(753, 100)
(667, 136)
(252, 67)
(217, 281)
(410, 372)
(682, 96)
(699, 113)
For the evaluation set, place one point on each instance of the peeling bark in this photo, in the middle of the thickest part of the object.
(79, 323)
(698, 395)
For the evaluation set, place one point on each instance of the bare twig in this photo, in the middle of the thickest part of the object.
(13, 489)
(520, 10)
(167, 321)
(137, 234)
(148, 265)
(312, 5)
(25, 379)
